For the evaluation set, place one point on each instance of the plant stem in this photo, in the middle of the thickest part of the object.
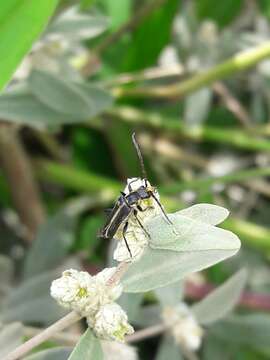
(43, 336)
(72, 178)
(206, 183)
(174, 127)
(146, 333)
(239, 62)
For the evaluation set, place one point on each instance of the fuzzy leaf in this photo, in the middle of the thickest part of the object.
(78, 25)
(54, 239)
(168, 349)
(88, 347)
(170, 295)
(221, 300)
(159, 268)
(31, 302)
(187, 234)
(206, 213)
(60, 94)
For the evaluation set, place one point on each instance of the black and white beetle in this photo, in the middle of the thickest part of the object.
(129, 204)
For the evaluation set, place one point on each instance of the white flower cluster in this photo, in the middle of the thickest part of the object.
(136, 237)
(91, 297)
(113, 350)
(183, 326)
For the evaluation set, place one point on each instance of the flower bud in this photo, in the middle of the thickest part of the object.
(183, 326)
(111, 323)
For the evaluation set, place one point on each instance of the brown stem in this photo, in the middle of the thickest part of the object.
(18, 172)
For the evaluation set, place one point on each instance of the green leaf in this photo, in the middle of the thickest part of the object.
(252, 330)
(31, 302)
(168, 349)
(21, 22)
(187, 234)
(148, 315)
(21, 106)
(142, 51)
(159, 268)
(170, 295)
(78, 25)
(60, 94)
(222, 12)
(131, 304)
(206, 213)
(88, 347)
(11, 336)
(24, 108)
(221, 301)
(60, 353)
(54, 239)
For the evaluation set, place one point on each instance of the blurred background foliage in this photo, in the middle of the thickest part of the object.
(101, 70)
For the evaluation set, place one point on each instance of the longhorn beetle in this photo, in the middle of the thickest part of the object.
(128, 204)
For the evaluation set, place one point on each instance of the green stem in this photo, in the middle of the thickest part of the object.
(173, 126)
(251, 234)
(199, 184)
(237, 63)
(74, 179)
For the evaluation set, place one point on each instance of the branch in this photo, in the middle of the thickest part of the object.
(239, 62)
(43, 336)
(173, 126)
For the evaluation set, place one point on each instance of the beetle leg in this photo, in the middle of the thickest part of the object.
(140, 223)
(124, 236)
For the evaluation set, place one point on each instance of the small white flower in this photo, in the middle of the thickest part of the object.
(71, 290)
(113, 350)
(79, 291)
(183, 326)
(111, 323)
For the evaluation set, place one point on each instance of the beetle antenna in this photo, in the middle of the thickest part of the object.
(138, 150)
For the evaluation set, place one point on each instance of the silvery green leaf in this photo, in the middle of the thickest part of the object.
(88, 347)
(131, 304)
(170, 295)
(54, 239)
(158, 268)
(148, 315)
(197, 106)
(251, 330)
(25, 108)
(221, 301)
(214, 349)
(78, 25)
(11, 336)
(101, 99)
(31, 302)
(6, 273)
(59, 94)
(187, 234)
(59, 353)
(206, 213)
(168, 349)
